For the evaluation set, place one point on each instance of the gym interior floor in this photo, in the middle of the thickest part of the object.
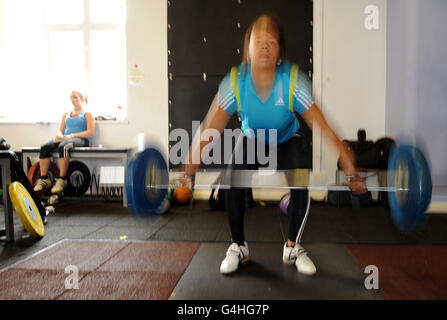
(177, 255)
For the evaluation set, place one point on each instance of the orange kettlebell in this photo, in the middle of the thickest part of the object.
(182, 194)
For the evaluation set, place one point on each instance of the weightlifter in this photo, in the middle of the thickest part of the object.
(265, 91)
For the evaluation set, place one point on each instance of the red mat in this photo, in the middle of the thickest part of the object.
(107, 270)
(407, 272)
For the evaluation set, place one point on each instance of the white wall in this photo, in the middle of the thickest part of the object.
(401, 75)
(350, 74)
(417, 81)
(147, 104)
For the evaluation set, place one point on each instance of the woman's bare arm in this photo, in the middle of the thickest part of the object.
(217, 119)
(346, 158)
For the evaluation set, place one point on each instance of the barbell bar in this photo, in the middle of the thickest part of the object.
(274, 187)
(408, 184)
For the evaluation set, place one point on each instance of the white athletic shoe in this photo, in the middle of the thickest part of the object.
(297, 256)
(235, 254)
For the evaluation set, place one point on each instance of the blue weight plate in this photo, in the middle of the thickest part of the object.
(128, 183)
(408, 169)
(426, 183)
(150, 173)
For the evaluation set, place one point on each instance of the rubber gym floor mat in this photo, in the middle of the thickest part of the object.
(326, 224)
(105, 270)
(199, 223)
(191, 224)
(367, 225)
(266, 277)
(407, 272)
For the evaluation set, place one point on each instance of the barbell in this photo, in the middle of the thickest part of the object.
(408, 183)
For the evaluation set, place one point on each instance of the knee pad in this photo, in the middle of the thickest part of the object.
(45, 152)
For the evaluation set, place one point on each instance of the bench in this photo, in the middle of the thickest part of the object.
(82, 153)
(5, 164)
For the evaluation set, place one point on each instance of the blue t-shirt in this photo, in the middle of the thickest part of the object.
(272, 114)
(75, 124)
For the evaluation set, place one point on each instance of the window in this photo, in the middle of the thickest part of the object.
(50, 47)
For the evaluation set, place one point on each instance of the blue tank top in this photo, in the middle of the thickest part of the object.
(274, 113)
(75, 124)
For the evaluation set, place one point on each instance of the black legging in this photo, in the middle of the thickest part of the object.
(289, 156)
(63, 147)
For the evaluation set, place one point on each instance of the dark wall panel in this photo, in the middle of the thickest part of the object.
(206, 37)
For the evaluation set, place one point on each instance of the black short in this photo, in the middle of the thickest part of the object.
(63, 147)
(295, 153)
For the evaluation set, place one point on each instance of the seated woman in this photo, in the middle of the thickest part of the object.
(75, 128)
